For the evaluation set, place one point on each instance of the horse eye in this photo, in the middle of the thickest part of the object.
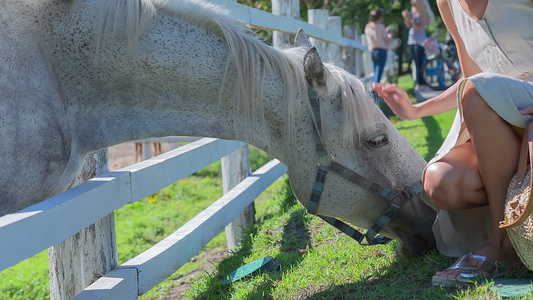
(378, 141)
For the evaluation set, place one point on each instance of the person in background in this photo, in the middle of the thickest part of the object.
(417, 20)
(467, 180)
(378, 37)
(139, 151)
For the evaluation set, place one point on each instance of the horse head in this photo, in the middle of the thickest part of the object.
(358, 137)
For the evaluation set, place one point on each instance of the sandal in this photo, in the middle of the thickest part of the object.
(473, 268)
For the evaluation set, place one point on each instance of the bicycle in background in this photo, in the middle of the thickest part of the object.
(442, 68)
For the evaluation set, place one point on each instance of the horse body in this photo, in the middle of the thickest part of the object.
(86, 87)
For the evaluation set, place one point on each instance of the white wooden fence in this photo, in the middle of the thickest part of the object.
(172, 140)
(50, 222)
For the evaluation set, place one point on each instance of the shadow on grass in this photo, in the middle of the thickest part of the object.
(434, 137)
(295, 240)
(410, 278)
(399, 278)
(403, 278)
(294, 243)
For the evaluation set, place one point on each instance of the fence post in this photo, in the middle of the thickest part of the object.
(334, 25)
(147, 150)
(289, 9)
(319, 18)
(359, 68)
(91, 253)
(348, 53)
(236, 167)
(368, 70)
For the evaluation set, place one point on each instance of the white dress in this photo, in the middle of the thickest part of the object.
(501, 43)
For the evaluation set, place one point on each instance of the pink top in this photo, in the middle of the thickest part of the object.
(376, 36)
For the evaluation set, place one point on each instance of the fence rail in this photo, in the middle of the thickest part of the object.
(166, 257)
(94, 199)
(264, 20)
(82, 205)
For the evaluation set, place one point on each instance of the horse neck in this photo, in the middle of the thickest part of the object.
(172, 85)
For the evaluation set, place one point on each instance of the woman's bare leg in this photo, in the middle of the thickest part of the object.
(454, 181)
(494, 144)
(139, 152)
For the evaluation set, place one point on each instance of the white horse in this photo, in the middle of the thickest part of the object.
(80, 76)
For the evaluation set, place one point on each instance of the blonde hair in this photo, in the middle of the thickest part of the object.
(424, 9)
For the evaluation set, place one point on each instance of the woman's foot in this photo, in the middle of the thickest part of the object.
(469, 268)
(483, 263)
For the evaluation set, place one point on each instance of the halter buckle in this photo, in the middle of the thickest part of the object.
(399, 196)
(322, 160)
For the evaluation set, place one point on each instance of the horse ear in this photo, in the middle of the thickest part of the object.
(316, 73)
(301, 40)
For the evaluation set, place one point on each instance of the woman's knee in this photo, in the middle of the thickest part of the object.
(452, 188)
(438, 184)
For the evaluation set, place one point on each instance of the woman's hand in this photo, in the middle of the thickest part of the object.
(528, 110)
(397, 99)
(407, 18)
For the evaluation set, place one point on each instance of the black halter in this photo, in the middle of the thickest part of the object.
(326, 162)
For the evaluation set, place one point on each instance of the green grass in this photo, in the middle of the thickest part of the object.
(315, 261)
(26, 280)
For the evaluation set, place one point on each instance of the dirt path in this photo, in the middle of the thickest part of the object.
(183, 284)
(123, 155)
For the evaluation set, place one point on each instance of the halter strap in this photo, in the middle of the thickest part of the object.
(327, 162)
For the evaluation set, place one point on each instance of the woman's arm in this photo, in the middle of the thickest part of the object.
(400, 103)
(407, 18)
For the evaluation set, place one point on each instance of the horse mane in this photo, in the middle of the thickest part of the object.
(358, 113)
(247, 54)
